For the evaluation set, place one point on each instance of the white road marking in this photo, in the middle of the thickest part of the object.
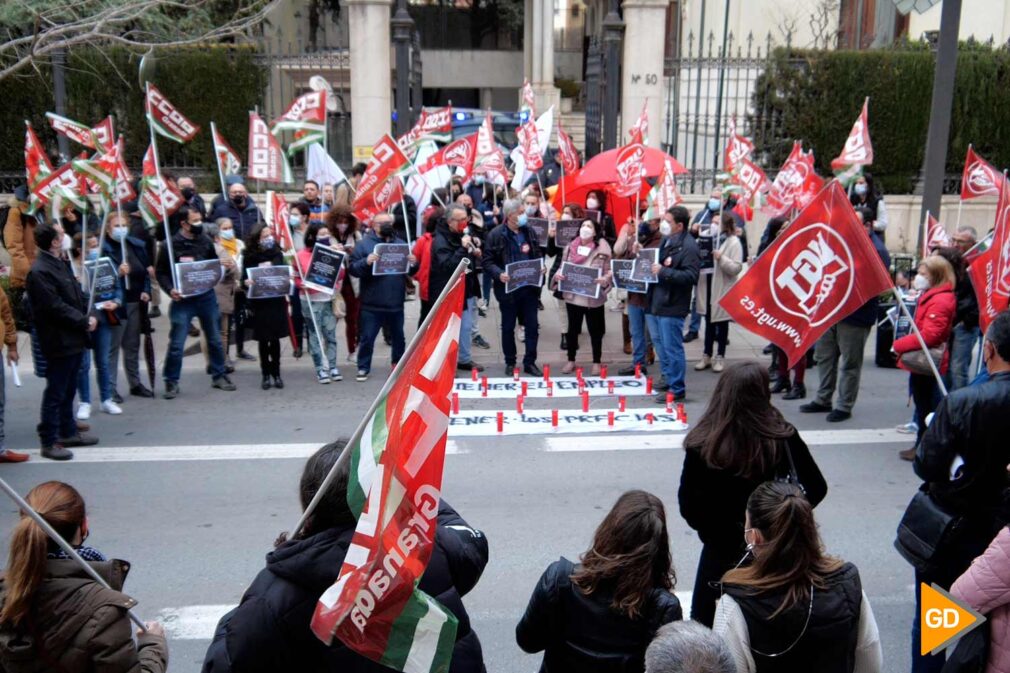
(676, 440)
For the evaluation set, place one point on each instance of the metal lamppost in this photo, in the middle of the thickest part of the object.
(613, 31)
(60, 96)
(403, 27)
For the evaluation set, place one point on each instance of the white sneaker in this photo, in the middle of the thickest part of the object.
(718, 364)
(83, 411)
(908, 428)
(110, 407)
(352, 356)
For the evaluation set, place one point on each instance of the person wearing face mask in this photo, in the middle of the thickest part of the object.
(269, 315)
(452, 244)
(966, 332)
(239, 208)
(191, 244)
(633, 238)
(62, 325)
(455, 188)
(727, 256)
(740, 442)
(111, 315)
(475, 190)
(327, 308)
(227, 246)
(793, 607)
(382, 297)
(187, 187)
(312, 198)
(934, 316)
(669, 299)
(597, 200)
(75, 254)
(571, 211)
(865, 195)
(343, 227)
(135, 284)
(299, 217)
(422, 250)
(592, 250)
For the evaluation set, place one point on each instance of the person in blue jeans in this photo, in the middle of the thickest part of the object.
(381, 296)
(669, 299)
(191, 244)
(632, 239)
(111, 316)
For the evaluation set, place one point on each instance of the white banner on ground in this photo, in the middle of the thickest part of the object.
(561, 387)
(539, 421)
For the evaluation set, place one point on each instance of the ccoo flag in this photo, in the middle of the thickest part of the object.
(818, 271)
(374, 607)
(266, 158)
(158, 199)
(306, 116)
(166, 118)
(434, 124)
(379, 186)
(738, 148)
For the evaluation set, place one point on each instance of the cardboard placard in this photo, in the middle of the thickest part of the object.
(394, 258)
(325, 269)
(524, 273)
(580, 280)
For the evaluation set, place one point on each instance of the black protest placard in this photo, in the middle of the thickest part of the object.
(324, 269)
(621, 269)
(103, 280)
(269, 282)
(198, 277)
(642, 271)
(594, 215)
(565, 231)
(524, 273)
(539, 226)
(705, 247)
(393, 258)
(580, 280)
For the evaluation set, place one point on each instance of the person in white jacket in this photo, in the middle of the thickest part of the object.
(793, 607)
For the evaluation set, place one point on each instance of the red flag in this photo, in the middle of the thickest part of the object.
(639, 132)
(737, 149)
(166, 118)
(812, 185)
(228, 162)
(529, 100)
(37, 164)
(792, 183)
(817, 272)
(459, 154)
(489, 159)
(104, 134)
(752, 180)
(277, 217)
(266, 158)
(152, 191)
(629, 168)
(530, 146)
(858, 150)
(981, 272)
(980, 178)
(434, 124)
(61, 182)
(375, 192)
(567, 154)
(936, 236)
(996, 261)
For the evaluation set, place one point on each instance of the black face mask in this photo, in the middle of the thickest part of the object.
(188, 193)
(386, 231)
(238, 200)
(196, 229)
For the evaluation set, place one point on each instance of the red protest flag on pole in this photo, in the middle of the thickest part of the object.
(629, 166)
(396, 461)
(993, 265)
(488, 159)
(752, 180)
(529, 144)
(639, 132)
(153, 189)
(737, 149)
(375, 194)
(266, 157)
(817, 272)
(529, 100)
(858, 150)
(935, 236)
(166, 119)
(458, 154)
(568, 156)
(277, 217)
(795, 184)
(980, 178)
(37, 165)
(434, 124)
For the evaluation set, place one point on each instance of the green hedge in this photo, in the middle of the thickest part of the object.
(816, 95)
(219, 83)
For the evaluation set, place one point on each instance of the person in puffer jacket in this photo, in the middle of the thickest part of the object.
(985, 586)
(269, 630)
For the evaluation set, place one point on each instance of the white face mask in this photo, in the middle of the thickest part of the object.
(920, 282)
(665, 228)
(592, 204)
(586, 233)
(228, 234)
(118, 233)
(531, 210)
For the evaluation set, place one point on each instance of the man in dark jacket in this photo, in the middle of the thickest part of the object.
(62, 323)
(239, 208)
(451, 245)
(839, 351)
(963, 458)
(966, 332)
(381, 296)
(190, 244)
(187, 187)
(514, 242)
(669, 299)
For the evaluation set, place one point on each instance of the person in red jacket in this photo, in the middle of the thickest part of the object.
(934, 316)
(422, 251)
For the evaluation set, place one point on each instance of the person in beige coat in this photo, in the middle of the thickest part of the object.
(222, 231)
(712, 287)
(19, 237)
(589, 248)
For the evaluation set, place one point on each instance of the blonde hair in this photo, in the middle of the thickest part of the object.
(939, 271)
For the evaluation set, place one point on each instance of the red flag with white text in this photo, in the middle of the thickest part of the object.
(158, 199)
(980, 178)
(818, 271)
(639, 131)
(433, 124)
(935, 237)
(629, 166)
(166, 118)
(228, 162)
(858, 149)
(568, 156)
(37, 165)
(529, 144)
(737, 148)
(528, 100)
(488, 158)
(375, 189)
(795, 185)
(267, 161)
(752, 180)
(277, 217)
(995, 263)
(458, 154)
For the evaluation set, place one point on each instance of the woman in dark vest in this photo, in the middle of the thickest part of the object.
(600, 615)
(793, 608)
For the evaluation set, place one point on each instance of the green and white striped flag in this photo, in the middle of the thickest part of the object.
(166, 119)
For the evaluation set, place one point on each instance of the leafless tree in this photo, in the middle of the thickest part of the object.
(824, 24)
(32, 30)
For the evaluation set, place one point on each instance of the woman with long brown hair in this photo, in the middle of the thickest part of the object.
(600, 615)
(794, 608)
(53, 616)
(739, 442)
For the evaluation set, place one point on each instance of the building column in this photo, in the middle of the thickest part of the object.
(541, 63)
(642, 67)
(371, 88)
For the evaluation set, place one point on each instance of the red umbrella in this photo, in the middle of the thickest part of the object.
(603, 167)
(574, 191)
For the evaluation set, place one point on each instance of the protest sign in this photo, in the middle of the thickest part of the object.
(705, 253)
(524, 273)
(565, 231)
(642, 270)
(539, 225)
(594, 215)
(393, 258)
(539, 421)
(103, 280)
(325, 269)
(269, 282)
(563, 386)
(580, 280)
(198, 277)
(622, 270)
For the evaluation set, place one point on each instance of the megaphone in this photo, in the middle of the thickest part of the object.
(319, 83)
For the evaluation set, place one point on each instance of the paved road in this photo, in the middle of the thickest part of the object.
(194, 491)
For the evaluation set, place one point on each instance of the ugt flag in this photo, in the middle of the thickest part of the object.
(858, 150)
(990, 271)
(166, 118)
(568, 156)
(738, 148)
(980, 178)
(935, 235)
(457, 154)
(818, 271)
(374, 607)
(433, 125)
(629, 165)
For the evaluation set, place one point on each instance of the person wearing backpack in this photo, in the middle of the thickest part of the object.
(19, 237)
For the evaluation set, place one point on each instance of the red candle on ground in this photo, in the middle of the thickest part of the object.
(648, 385)
(622, 403)
(547, 372)
(585, 402)
(681, 413)
(525, 388)
(649, 417)
(550, 389)
(610, 418)
(669, 402)
(473, 373)
(603, 371)
(515, 374)
(501, 421)
(554, 418)
(578, 373)
(638, 371)
(455, 403)
(519, 404)
(610, 387)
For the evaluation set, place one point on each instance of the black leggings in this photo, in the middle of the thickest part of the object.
(712, 565)
(239, 317)
(270, 357)
(595, 323)
(716, 333)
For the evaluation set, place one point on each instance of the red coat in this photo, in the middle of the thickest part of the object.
(934, 316)
(422, 251)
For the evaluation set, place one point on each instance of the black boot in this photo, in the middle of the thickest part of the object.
(797, 392)
(780, 385)
(278, 382)
(266, 382)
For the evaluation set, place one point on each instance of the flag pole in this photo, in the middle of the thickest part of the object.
(355, 437)
(403, 208)
(421, 178)
(922, 342)
(217, 161)
(925, 235)
(161, 187)
(312, 314)
(63, 544)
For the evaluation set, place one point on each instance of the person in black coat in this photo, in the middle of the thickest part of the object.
(62, 324)
(740, 442)
(451, 245)
(269, 630)
(600, 615)
(269, 315)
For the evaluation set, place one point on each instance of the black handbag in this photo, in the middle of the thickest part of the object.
(971, 653)
(925, 529)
